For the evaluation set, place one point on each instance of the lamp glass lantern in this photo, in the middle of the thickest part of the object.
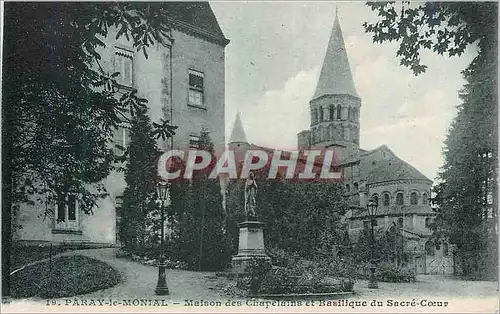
(162, 190)
(372, 207)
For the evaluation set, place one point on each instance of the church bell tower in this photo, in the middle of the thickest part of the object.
(335, 105)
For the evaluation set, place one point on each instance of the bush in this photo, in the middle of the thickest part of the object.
(389, 273)
(302, 277)
(282, 258)
(279, 280)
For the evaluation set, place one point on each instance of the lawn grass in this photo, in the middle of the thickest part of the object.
(70, 276)
(22, 255)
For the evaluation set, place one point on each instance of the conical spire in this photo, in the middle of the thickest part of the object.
(335, 76)
(238, 133)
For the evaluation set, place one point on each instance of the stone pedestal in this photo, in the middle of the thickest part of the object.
(251, 245)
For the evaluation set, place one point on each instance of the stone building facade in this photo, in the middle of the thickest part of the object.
(183, 81)
(402, 192)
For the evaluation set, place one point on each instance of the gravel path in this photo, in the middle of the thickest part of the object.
(139, 281)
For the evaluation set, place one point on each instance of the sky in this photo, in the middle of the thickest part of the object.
(273, 60)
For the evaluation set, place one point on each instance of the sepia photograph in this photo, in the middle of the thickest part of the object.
(250, 156)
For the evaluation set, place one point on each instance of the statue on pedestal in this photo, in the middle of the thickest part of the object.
(250, 194)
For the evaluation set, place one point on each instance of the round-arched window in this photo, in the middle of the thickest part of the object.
(425, 199)
(399, 198)
(413, 198)
(387, 199)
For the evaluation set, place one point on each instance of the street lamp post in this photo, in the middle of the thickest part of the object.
(163, 193)
(372, 211)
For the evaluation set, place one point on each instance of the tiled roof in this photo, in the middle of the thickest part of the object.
(197, 14)
(392, 170)
(335, 76)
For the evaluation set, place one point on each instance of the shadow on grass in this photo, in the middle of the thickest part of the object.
(67, 276)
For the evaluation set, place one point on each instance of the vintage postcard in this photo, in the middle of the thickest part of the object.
(235, 156)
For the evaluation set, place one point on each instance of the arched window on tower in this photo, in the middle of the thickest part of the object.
(314, 115)
(339, 112)
(413, 198)
(320, 114)
(425, 200)
(349, 114)
(355, 113)
(399, 198)
(331, 112)
(387, 199)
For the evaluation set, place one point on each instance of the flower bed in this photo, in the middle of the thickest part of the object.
(263, 279)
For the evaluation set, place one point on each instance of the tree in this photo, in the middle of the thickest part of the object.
(466, 196)
(59, 106)
(140, 193)
(298, 214)
(201, 241)
(466, 192)
(443, 27)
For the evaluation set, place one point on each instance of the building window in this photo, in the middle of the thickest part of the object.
(429, 248)
(196, 88)
(349, 114)
(124, 63)
(194, 141)
(67, 215)
(314, 116)
(428, 222)
(356, 187)
(445, 249)
(375, 198)
(400, 222)
(425, 199)
(339, 112)
(413, 198)
(387, 199)
(399, 199)
(320, 114)
(355, 113)
(121, 139)
(348, 188)
(332, 112)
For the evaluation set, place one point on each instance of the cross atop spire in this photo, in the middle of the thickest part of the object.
(335, 76)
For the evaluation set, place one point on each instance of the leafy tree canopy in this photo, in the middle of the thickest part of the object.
(442, 27)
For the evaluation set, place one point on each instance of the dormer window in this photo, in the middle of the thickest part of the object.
(196, 88)
(194, 141)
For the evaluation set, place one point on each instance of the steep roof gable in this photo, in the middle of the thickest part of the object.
(335, 76)
(197, 14)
